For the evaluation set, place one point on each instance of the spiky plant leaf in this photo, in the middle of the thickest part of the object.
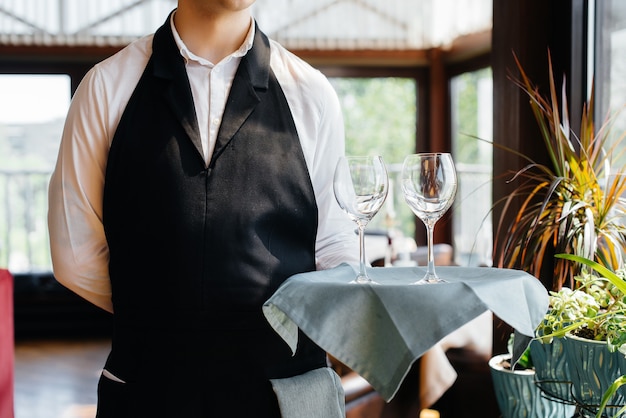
(574, 205)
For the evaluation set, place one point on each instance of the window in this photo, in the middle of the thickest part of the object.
(32, 112)
(380, 116)
(610, 65)
(471, 110)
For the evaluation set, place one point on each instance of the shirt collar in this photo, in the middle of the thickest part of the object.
(190, 56)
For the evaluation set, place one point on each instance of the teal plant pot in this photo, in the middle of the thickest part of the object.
(518, 395)
(551, 371)
(592, 370)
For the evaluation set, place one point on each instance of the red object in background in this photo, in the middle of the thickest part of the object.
(7, 345)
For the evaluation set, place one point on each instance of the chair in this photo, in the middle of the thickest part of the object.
(7, 345)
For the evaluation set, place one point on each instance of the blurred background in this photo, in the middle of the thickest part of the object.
(419, 75)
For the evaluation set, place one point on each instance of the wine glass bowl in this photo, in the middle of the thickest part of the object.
(429, 185)
(360, 185)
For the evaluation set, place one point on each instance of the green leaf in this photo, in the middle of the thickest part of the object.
(609, 393)
(604, 271)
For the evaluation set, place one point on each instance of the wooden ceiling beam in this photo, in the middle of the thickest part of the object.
(464, 48)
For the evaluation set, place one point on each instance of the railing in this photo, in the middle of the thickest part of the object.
(24, 245)
(472, 226)
(23, 220)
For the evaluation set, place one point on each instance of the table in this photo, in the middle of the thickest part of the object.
(380, 330)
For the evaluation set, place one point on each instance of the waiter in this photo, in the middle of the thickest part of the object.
(194, 177)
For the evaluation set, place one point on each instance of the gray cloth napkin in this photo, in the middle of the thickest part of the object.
(380, 330)
(315, 394)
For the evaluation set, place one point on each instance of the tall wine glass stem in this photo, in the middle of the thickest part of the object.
(362, 277)
(430, 274)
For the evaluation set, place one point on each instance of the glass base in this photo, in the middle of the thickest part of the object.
(430, 278)
(362, 279)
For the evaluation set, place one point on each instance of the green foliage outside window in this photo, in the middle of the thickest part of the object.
(380, 118)
(471, 98)
(466, 122)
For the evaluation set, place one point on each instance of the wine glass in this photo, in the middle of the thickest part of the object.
(429, 185)
(360, 185)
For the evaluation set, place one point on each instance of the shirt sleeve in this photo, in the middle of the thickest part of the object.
(337, 240)
(319, 121)
(78, 245)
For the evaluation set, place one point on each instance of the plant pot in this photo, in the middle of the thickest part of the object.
(592, 370)
(551, 372)
(518, 395)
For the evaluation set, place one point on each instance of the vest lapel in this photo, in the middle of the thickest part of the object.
(181, 102)
(170, 66)
(252, 77)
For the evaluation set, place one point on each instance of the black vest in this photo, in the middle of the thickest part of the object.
(196, 250)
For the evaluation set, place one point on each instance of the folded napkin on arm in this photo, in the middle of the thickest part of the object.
(314, 394)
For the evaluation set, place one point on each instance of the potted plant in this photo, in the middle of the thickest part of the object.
(567, 307)
(517, 391)
(571, 206)
(586, 326)
(578, 353)
(594, 340)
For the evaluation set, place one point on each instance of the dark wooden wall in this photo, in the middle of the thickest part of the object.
(531, 29)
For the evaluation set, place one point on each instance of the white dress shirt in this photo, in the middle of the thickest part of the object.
(210, 84)
(79, 249)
